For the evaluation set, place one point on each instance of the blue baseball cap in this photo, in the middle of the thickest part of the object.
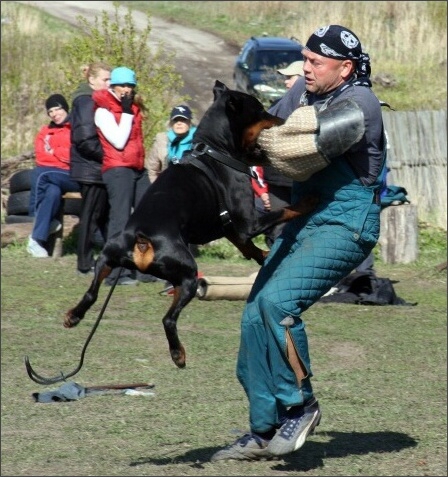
(181, 111)
(122, 75)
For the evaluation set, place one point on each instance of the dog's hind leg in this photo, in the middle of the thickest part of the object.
(185, 287)
(76, 314)
(182, 295)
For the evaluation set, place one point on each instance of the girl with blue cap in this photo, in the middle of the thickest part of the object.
(119, 120)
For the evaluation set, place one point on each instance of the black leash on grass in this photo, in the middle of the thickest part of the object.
(37, 378)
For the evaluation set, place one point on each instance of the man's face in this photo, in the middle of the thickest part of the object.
(324, 74)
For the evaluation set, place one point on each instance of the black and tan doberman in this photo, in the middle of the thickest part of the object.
(207, 196)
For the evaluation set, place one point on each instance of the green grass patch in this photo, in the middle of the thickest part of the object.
(380, 376)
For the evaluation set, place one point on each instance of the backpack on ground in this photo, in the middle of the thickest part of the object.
(364, 288)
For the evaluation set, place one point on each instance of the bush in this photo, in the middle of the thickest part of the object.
(35, 65)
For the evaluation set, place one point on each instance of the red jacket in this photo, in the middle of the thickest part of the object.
(133, 154)
(52, 146)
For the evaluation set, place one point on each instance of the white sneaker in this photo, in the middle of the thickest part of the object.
(35, 249)
(55, 226)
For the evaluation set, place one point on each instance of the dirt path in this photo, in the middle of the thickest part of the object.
(201, 58)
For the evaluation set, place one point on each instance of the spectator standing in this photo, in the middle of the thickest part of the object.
(51, 176)
(292, 73)
(316, 250)
(86, 155)
(169, 146)
(119, 119)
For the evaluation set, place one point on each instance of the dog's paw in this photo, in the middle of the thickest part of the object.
(70, 320)
(178, 356)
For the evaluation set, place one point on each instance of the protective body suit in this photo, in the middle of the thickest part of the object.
(311, 255)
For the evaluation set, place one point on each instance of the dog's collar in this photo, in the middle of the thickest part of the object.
(200, 148)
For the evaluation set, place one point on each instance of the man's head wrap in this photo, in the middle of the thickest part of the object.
(340, 43)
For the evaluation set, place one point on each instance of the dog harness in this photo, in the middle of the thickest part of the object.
(193, 157)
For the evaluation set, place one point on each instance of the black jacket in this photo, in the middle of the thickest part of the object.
(86, 152)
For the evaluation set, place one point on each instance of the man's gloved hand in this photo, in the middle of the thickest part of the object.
(126, 103)
(291, 148)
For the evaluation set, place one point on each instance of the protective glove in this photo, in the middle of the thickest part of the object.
(126, 103)
(309, 139)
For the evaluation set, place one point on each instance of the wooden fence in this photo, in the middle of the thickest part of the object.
(417, 158)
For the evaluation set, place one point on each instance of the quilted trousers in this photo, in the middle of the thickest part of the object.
(298, 271)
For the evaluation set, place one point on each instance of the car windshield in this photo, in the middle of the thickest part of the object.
(276, 59)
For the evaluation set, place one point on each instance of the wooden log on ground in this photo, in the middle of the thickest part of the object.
(225, 288)
(399, 234)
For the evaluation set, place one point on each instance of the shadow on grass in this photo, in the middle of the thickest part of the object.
(311, 456)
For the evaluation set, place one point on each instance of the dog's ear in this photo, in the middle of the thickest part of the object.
(235, 103)
(218, 89)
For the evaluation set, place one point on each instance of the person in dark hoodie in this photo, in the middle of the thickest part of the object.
(86, 156)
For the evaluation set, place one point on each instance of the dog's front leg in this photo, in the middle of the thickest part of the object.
(248, 249)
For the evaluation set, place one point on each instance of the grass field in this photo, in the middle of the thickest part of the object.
(380, 372)
(380, 377)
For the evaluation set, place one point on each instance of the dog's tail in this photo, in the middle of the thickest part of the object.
(143, 253)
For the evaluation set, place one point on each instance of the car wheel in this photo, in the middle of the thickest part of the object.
(18, 203)
(20, 181)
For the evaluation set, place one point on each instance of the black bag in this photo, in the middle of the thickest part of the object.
(363, 288)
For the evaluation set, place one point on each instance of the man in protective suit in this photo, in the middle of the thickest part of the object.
(332, 144)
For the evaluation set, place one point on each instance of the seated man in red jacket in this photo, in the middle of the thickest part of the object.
(51, 176)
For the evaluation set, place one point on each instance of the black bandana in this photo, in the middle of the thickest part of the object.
(335, 41)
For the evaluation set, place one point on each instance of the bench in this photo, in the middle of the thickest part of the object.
(56, 247)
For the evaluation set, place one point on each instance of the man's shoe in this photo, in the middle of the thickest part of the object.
(35, 249)
(247, 447)
(55, 226)
(300, 423)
